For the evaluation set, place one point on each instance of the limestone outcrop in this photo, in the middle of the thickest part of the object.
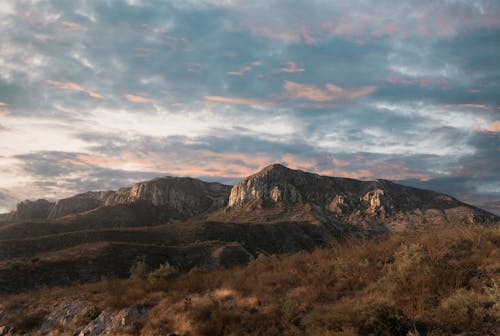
(376, 204)
(187, 196)
(31, 210)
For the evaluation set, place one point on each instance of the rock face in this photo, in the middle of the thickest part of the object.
(186, 196)
(367, 204)
(29, 210)
(79, 203)
(273, 184)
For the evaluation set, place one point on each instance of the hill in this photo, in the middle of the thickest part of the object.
(191, 223)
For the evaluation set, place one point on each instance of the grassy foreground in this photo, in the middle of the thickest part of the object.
(437, 281)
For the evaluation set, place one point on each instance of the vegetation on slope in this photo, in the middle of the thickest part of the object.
(437, 281)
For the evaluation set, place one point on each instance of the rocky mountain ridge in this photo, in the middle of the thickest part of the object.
(191, 223)
(187, 196)
(378, 203)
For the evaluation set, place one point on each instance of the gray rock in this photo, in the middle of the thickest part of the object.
(187, 196)
(4, 330)
(62, 314)
(79, 203)
(31, 210)
(109, 322)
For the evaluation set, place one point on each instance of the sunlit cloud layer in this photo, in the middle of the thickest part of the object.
(98, 95)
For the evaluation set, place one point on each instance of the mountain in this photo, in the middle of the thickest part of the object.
(279, 193)
(28, 210)
(186, 196)
(189, 223)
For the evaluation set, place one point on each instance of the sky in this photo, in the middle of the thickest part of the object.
(96, 95)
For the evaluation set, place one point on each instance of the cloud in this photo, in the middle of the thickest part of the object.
(73, 87)
(331, 91)
(240, 101)
(245, 69)
(467, 105)
(426, 73)
(290, 68)
(494, 126)
(134, 98)
(70, 25)
(3, 112)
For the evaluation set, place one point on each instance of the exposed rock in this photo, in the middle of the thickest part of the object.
(338, 205)
(364, 204)
(4, 330)
(62, 314)
(187, 196)
(270, 184)
(109, 322)
(29, 210)
(79, 203)
(376, 201)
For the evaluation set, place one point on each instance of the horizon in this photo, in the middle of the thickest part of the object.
(231, 184)
(97, 96)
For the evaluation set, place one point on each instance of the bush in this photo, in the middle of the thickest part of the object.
(382, 320)
(411, 279)
(86, 316)
(368, 319)
(467, 311)
(162, 273)
(139, 269)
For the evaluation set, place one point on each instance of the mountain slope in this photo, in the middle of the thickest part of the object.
(277, 193)
(185, 196)
(189, 223)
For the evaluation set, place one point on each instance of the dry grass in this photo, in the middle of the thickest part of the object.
(439, 281)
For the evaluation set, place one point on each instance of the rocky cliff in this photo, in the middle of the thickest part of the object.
(30, 210)
(79, 203)
(365, 204)
(186, 196)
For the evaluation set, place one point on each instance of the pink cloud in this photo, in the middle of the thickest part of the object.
(72, 86)
(494, 126)
(290, 68)
(134, 98)
(330, 92)
(70, 25)
(240, 101)
(245, 69)
(469, 105)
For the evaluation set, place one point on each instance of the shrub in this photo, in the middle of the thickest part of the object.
(382, 319)
(411, 279)
(467, 311)
(367, 319)
(139, 269)
(86, 316)
(162, 273)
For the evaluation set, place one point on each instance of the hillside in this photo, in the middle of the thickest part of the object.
(194, 223)
(435, 280)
